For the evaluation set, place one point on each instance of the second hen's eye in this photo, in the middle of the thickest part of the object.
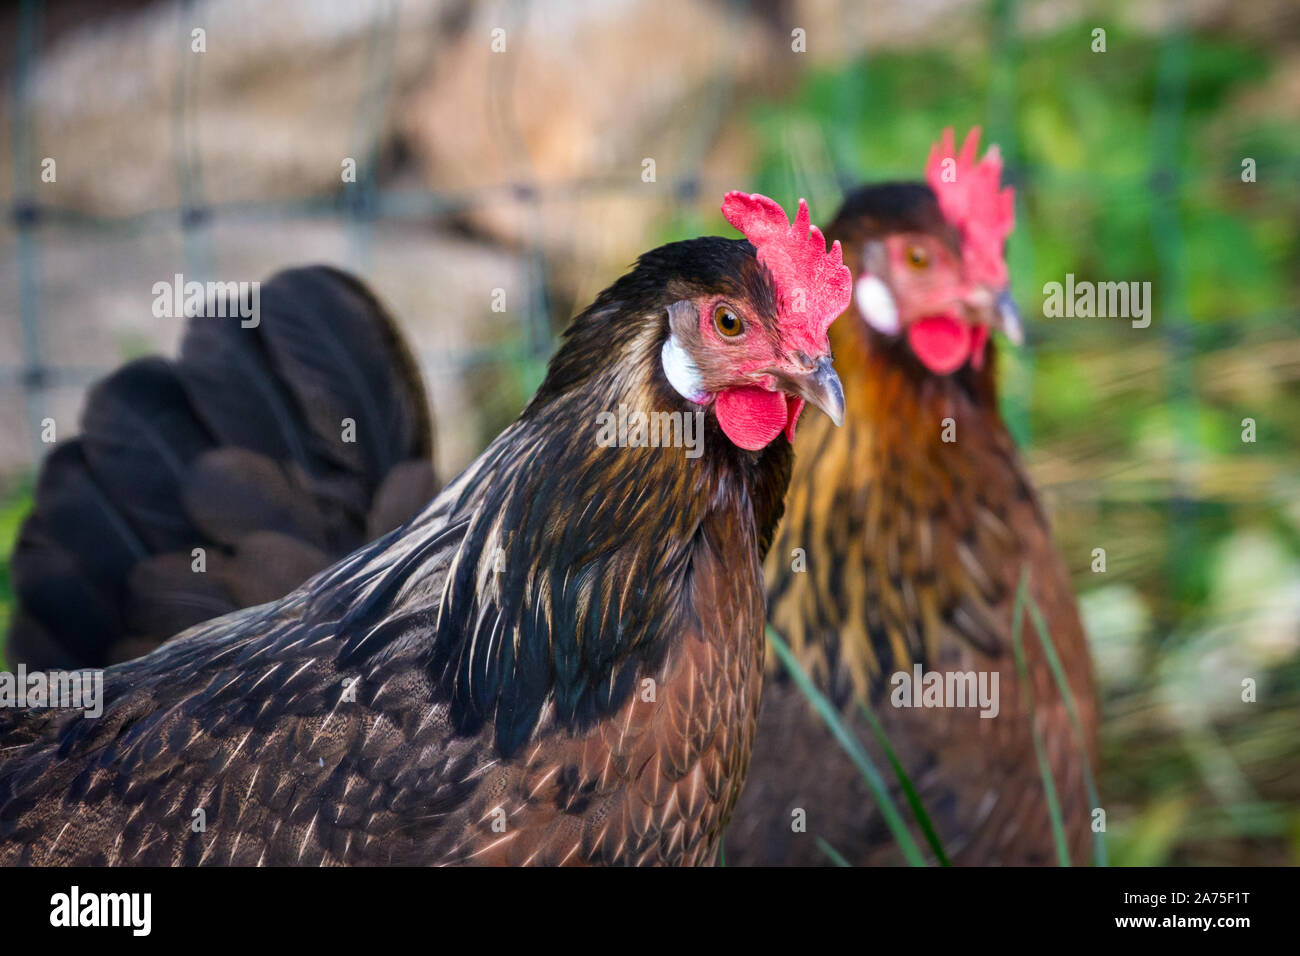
(918, 257)
(727, 322)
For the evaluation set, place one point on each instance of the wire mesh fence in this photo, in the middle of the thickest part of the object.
(365, 203)
(361, 202)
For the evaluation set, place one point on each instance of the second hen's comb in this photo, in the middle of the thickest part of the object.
(813, 286)
(971, 197)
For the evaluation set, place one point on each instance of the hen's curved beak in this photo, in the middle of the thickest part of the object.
(996, 309)
(818, 386)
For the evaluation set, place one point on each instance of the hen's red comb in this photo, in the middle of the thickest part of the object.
(971, 198)
(813, 286)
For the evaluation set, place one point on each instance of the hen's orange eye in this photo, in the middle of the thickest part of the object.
(727, 322)
(917, 257)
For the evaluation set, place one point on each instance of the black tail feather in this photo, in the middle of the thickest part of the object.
(351, 368)
(224, 478)
(139, 437)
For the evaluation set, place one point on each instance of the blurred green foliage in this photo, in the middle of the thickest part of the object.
(1085, 149)
(14, 505)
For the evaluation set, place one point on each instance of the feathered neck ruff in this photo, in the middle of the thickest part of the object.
(556, 570)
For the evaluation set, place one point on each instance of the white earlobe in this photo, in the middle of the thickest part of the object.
(681, 372)
(876, 304)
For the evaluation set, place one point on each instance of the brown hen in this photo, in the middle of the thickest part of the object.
(558, 660)
(914, 523)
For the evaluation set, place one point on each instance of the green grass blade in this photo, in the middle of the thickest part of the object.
(831, 852)
(1063, 685)
(875, 783)
(909, 791)
(1044, 768)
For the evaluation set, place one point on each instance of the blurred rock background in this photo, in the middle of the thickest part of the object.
(522, 169)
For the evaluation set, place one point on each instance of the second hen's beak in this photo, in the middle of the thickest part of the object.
(996, 309)
(818, 385)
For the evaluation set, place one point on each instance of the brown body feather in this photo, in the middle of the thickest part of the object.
(914, 549)
(248, 720)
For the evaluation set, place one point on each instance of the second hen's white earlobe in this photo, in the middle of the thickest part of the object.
(876, 304)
